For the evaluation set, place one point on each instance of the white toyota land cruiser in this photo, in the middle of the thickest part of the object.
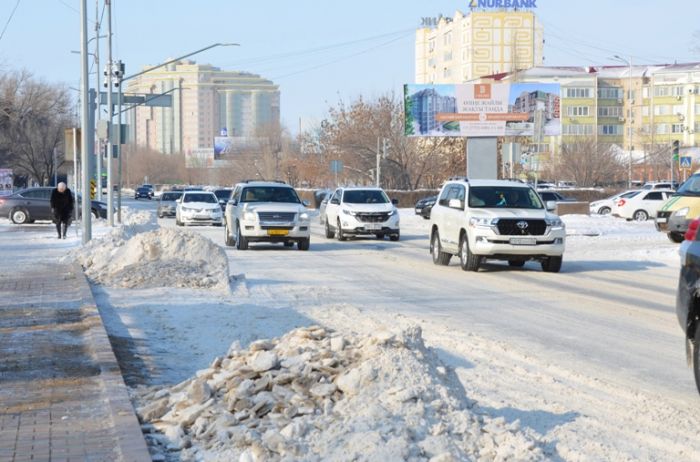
(494, 219)
(266, 211)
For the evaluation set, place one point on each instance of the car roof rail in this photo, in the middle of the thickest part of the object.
(458, 178)
(264, 181)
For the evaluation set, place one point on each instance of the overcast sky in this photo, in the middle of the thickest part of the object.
(319, 52)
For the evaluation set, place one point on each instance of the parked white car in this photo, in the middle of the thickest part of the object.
(361, 211)
(605, 206)
(643, 205)
(494, 219)
(198, 207)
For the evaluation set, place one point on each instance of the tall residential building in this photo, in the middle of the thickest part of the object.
(468, 46)
(205, 102)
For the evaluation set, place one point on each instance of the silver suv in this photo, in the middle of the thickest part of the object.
(264, 211)
(494, 219)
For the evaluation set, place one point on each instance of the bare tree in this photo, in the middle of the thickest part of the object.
(33, 115)
(589, 163)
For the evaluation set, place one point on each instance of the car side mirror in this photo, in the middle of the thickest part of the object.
(551, 205)
(455, 204)
(395, 202)
(305, 203)
(335, 201)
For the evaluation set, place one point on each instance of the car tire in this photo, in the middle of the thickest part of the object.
(551, 264)
(228, 239)
(95, 215)
(516, 263)
(329, 232)
(696, 357)
(160, 215)
(339, 232)
(640, 215)
(19, 216)
(241, 241)
(676, 237)
(439, 257)
(395, 237)
(177, 222)
(467, 260)
(304, 244)
(604, 211)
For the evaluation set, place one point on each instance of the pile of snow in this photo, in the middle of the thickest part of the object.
(139, 254)
(316, 395)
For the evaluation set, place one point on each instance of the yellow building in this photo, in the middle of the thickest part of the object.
(468, 46)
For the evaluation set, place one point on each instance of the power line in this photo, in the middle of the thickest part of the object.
(71, 7)
(9, 19)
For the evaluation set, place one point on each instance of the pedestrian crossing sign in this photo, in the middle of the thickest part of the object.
(685, 161)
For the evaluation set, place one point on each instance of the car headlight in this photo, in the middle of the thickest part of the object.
(249, 216)
(187, 209)
(682, 212)
(348, 212)
(554, 222)
(475, 222)
(304, 216)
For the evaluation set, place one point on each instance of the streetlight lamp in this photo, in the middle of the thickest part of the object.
(628, 119)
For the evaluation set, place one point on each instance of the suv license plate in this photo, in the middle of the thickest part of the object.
(523, 241)
(373, 226)
(277, 232)
(661, 220)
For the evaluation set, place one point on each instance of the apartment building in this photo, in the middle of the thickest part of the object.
(206, 102)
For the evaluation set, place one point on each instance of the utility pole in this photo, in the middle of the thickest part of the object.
(87, 217)
(108, 74)
(120, 74)
(378, 162)
(98, 116)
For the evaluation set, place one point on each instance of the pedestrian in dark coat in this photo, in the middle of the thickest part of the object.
(62, 204)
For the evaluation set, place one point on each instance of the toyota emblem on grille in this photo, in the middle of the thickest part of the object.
(276, 217)
(522, 225)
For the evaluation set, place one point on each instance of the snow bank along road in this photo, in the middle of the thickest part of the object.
(591, 359)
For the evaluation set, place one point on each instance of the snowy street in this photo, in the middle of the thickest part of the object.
(592, 359)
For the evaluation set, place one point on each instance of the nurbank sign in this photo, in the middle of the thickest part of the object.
(503, 4)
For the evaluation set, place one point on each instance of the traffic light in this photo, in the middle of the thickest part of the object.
(676, 149)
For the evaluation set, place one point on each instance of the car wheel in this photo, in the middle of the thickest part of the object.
(516, 263)
(304, 244)
(228, 239)
(551, 264)
(439, 257)
(95, 215)
(467, 260)
(339, 232)
(329, 232)
(160, 215)
(604, 211)
(241, 241)
(640, 215)
(177, 221)
(395, 237)
(19, 216)
(676, 237)
(696, 358)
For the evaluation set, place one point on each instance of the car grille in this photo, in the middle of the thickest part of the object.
(514, 227)
(375, 217)
(663, 214)
(276, 216)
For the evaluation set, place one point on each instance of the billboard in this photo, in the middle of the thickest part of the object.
(483, 110)
(6, 181)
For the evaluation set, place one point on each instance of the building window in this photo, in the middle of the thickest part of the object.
(574, 111)
(578, 92)
(645, 92)
(677, 90)
(644, 129)
(661, 129)
(662, 109)
(697, 127)
(645, 111)
(662, 91)
(447, 39)
(610, 130)
(610, 93)
(577, 129)
(677, 128)
(678, 109)
(447, 56)
(431, 44)
(446, 72)
(609, 111)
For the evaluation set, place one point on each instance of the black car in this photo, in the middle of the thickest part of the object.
(143, 192)
(687, 306)
(223, 195)
(167, 205)
(31, 204)
(553, 196)
(424, 206)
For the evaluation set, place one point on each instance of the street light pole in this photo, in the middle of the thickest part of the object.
(86, 216)
(108, 73)
(98, 167)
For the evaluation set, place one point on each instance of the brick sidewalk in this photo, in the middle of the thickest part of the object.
(62, 396)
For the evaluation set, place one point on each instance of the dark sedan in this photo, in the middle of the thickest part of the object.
(688, 295)
(223, 195)
(31, 204)
(424, 206)
(143, 192)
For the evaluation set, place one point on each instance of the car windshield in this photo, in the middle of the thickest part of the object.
(508, 196)
(269, 194)
(365, 196)
(223, 194)
(691, 187)
(200, 197)
(170, 196)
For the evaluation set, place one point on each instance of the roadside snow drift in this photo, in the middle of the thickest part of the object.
(141, 255)
(316, 395)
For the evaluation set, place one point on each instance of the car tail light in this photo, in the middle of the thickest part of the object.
(692, 232)
(621, 202)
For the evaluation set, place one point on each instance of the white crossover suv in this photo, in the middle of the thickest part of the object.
(494, 219)
(358, 211)
(266, 211)
(198, 207)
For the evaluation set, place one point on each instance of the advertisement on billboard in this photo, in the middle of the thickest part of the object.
(483, 110)
(6, 180)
